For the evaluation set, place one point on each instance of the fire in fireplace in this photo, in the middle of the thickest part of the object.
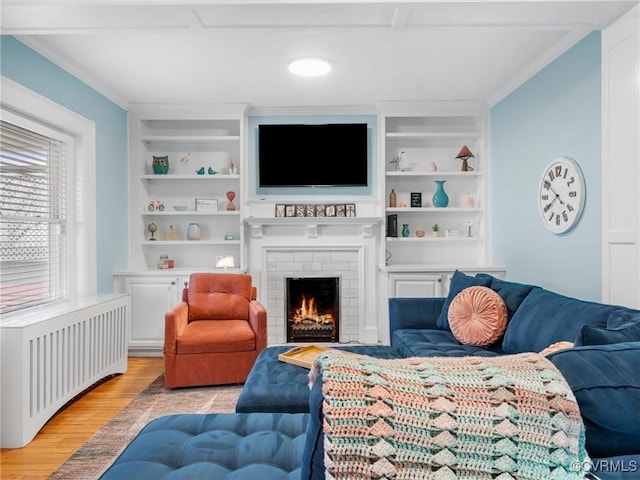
(313, 309)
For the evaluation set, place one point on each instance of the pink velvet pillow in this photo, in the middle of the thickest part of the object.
(477, 316)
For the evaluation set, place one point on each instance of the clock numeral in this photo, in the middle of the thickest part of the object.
(571, 181)
(551, 175)
(547, 184)
(557, 219)
(573, 194)
(551, 217)
(547, 207)
(565, 217)
(566, 170)
(545, 197)
(558, 170)
(569, 207)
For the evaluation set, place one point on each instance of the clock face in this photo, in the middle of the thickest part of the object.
(561, 195)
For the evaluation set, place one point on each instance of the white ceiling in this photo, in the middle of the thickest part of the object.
(237, 51)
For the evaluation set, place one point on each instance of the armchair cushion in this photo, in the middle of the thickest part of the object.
(221, 336)
(219, 297)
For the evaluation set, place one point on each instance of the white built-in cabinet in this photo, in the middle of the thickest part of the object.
(201, 142)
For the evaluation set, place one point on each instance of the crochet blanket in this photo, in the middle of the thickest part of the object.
(500, 418)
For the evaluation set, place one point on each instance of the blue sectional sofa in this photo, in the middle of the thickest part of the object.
(602, 370)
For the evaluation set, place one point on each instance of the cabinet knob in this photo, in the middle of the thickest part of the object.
(173, 283)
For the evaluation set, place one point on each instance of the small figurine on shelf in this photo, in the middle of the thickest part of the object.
(161, 165)
(405, 230)
(155, 205)
(211, 171)
(435, 230)
(464, 155)
(200, 171)
(233, 167)
(230, 196)
(397, 159)
(185, 159)
(153, 228)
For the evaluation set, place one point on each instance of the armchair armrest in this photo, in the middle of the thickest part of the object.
(414, 312)
(258, 321)
(175, 321)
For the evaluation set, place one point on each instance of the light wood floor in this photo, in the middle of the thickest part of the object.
(74, 424)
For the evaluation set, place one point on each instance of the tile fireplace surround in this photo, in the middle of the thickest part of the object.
(344, 247)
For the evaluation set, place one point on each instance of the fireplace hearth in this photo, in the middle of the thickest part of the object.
(312, 309)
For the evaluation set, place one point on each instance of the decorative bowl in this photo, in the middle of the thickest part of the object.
(180, 208)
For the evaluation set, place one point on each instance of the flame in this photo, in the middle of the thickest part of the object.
(308, 308)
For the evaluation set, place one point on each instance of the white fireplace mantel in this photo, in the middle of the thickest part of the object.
(310, 226)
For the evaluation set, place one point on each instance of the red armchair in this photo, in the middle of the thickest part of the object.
(215, 334)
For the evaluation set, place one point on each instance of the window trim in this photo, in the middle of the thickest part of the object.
(82, 255)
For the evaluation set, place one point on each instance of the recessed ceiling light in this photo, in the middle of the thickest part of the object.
(310, 67)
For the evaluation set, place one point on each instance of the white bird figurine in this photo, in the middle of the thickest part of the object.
(185, 159)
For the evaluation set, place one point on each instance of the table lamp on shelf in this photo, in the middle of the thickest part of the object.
(464, 155)
(225, 262)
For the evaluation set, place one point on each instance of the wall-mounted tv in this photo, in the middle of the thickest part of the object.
(310, 155)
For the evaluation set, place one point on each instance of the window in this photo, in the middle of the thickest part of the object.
(33, 215)
(47, 203)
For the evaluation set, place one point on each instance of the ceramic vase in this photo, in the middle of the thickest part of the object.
(440, 198)
(194, 232)
(405, 229)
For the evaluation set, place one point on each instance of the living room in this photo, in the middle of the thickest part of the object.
(559, 104)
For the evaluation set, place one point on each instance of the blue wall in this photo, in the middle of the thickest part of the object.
(556, 113)
(28, 68)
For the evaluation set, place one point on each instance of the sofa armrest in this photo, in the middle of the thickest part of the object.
(258, 321)
(414, 312)
(175, 321)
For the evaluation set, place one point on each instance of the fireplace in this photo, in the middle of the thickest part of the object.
(312, 309)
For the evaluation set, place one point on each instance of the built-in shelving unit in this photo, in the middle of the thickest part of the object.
(427, 138)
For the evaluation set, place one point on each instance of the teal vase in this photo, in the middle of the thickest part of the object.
(440, 198)
(405, 229)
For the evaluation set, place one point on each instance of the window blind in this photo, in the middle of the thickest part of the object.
(32, 218)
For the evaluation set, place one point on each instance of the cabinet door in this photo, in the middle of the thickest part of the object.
(151, 298)
(415, 285)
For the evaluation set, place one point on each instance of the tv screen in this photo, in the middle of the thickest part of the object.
(328, 155)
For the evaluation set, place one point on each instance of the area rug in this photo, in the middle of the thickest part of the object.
(95, 456)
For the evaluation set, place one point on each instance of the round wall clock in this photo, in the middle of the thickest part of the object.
(561, 195)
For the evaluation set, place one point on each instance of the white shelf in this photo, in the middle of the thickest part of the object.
(190, 138)
(175, 213)
(444, 173)
(217, 176)
(433, 210)
(426, 238)
(432, 135)
(190, 242)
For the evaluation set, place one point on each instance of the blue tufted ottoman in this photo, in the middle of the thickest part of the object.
(223, 446)
(275, 386)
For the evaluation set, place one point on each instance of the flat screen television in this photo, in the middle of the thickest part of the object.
(309, 155)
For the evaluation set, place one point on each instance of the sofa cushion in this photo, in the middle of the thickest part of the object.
(221, 336)
(459, 281)
(589, 335)
(477, 316)
(437, 343)
(605, 380)
(512, 293)
(622, 316)
(219, 296)
(545, 317)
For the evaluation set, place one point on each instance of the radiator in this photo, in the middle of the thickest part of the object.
(51, 355)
